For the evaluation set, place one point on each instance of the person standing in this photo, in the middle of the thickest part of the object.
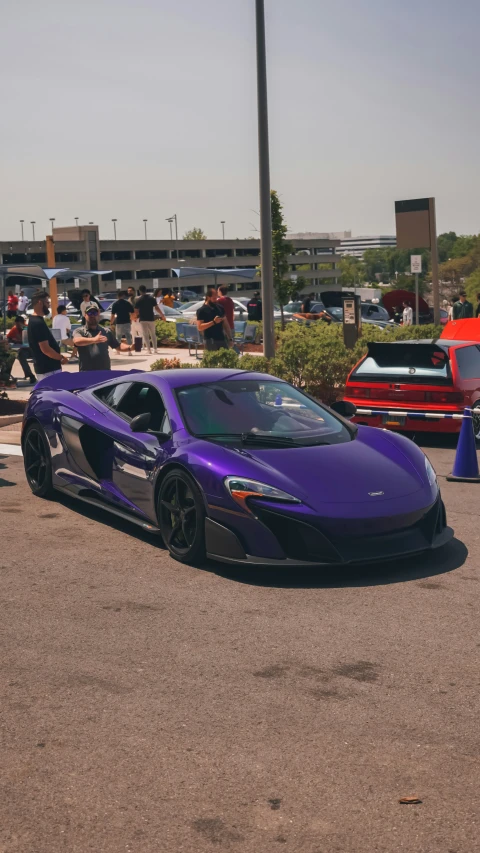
(15, 336)
(211, 321)
(168, 298)
(462, 309)
(47, 357)
(12, 304)
(63, 324)
(159, 300)
(93, 342)
(255, 309)
(228, 305)
(145, 310)
(136, 329)
(407, 316)
(122, 312)
(307, 304)
(22, 303)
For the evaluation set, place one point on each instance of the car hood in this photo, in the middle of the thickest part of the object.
(372, 465)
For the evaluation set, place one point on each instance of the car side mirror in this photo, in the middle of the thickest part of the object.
(344, 408)
(141, 423)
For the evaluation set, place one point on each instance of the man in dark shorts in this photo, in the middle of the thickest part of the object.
(212, 323)
(254, 308)
(122, 313)
(93, 342)
(146, 309)
(43, 346)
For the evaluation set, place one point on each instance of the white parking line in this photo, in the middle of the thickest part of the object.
(10, 450)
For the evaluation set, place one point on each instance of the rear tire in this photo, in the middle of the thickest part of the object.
(181, 518)
(38, 461)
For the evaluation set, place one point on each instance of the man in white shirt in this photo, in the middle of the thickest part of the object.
(22, 303)
(62, 322)
(407, 314)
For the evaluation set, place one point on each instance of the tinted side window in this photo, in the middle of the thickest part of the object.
(112, 394)
(468, 360)
(140, 399)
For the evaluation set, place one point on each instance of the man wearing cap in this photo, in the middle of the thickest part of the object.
(93, 341)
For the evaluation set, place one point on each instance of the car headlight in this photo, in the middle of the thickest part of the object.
(430, 472)
(241, 489)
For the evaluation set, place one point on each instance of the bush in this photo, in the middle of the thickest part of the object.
(221, 358)
(166, 332)
(170, 364)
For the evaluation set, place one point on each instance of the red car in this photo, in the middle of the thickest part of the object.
(417, 386)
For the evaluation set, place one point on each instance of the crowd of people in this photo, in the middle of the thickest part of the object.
(132, 316)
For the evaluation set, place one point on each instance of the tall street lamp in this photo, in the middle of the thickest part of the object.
(52, 220)
(264, 176)
(76, 218)
(114, 228)
(170, 220)
(222, 223)
(145, 227)
(32, 223)
(21, 226)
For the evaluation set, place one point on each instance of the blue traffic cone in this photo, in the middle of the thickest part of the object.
(465, 467)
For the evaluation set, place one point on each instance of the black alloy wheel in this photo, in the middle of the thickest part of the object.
(476, 420)
(37, 461)
(181, 517)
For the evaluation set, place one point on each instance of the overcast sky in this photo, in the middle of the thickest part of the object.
(114, 108)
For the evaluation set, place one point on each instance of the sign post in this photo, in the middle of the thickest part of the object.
(118, 283)
(417, 228)
(416, 268)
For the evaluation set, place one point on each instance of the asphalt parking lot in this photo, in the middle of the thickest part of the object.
(148, 706)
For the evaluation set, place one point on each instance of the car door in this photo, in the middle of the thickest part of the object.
(137, 456)
(467, 373)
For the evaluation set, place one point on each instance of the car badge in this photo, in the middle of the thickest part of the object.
(412, 370)
(375, 494)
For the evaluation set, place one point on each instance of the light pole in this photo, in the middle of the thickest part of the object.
(52, 220)
(170, 220)
(222, 223)
(32, 223)
(145, 227)
(76, 218)
(21, 226)
(114, 228)
(264, 176)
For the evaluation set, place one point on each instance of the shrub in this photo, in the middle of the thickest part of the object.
(166, 332)
(221, 358)
(170, 364)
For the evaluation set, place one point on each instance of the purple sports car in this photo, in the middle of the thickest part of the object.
(239, 467)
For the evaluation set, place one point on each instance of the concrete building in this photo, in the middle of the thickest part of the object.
(146, 261)
(356, 246)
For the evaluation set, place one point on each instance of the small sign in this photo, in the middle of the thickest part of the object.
(44, 284)
(76, 282)
(349, 312)
(294, 278)
(155, 283)
(416, 263)
(118, 283)
(17, 289)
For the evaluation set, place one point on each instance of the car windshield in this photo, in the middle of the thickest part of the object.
(187, 305)
(335, 311)
(395, 360)
(169, 311)
(266, 412)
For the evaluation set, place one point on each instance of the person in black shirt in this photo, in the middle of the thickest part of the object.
(254, 308)
(122, 312)
(44, 348)
(211, 321)
(145, 310)
(94, 340)
(307, 303)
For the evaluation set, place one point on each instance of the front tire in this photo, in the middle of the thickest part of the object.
(38, 462)
(181, 518)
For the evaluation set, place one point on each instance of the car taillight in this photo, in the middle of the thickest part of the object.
(358, 392)
(444, 397)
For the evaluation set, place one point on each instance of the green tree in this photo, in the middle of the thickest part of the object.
(352, 271)
(446, 243)
(284, 287)
(195, 234)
